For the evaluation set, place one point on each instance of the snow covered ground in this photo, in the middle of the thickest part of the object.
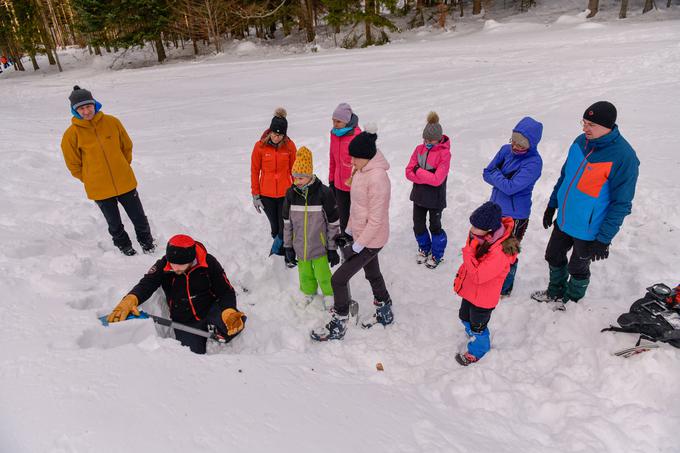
(549, 384)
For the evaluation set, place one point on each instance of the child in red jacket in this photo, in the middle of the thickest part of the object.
(489, 252)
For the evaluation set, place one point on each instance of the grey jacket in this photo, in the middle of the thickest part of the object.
(310, 220)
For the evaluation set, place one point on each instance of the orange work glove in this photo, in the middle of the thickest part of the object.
(233, 319)
(123, 309)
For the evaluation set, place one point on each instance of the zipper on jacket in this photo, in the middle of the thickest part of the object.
(304, 230)
(106, 159)
(566, 194)
(191, 304)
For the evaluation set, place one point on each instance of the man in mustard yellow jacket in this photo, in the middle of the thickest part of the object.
(98, 152)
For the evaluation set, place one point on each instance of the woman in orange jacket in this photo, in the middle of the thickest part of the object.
(489, 252)
(270, 175)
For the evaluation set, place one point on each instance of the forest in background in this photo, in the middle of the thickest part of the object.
(39, 27)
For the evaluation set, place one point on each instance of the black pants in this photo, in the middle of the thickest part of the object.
(367, 260)
(477, 317)
(197, 343)
(133, 207)
(343, 201)
(273, 209)
(556, 253)
(419, 216)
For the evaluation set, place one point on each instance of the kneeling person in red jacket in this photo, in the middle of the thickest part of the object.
(196, 289)
(489, 252)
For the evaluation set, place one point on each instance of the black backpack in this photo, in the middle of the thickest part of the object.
(653, 317)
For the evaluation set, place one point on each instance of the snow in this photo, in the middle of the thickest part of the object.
(549, 384)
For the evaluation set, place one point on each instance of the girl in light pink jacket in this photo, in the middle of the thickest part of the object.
(367, 233)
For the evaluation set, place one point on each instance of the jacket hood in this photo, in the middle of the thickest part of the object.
(79, 121)
(444, 144)
(377, 163)
(531, 129)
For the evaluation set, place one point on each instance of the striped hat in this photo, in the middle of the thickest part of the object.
(303, 165)
(80, 97)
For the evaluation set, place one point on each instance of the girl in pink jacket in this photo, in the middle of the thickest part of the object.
(428, 169)
(489, 252)
(367, 232)
(345, 128)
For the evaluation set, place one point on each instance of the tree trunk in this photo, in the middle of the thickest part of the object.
(45, 36)
(462, 8)
(476, 7)
(34, 61)
(443, 9)
(370, 7)
(160, 50)
(307, 11)
(624, 9)
(668, 5)
(97, 50)
(649, 5)
(594, 7)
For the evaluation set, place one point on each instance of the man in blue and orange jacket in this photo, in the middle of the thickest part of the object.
(592, 197)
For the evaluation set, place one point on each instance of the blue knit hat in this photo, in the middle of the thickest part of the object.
(487, 217)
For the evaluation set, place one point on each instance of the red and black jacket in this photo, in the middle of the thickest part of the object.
(189, 295)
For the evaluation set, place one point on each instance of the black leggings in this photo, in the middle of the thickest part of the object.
(476, 316)
(343, 201)
(367, 260)
(273, 209)
(419, 216)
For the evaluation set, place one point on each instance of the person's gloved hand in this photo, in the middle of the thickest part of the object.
(126, 306)
(233, 319)
(415, 169)
(343, 239)
(290, 255)
(258, 204)
(599, 250)
(333, 257)
(548, 217)
(331, 185)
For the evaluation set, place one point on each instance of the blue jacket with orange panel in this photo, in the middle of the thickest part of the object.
(596, 187)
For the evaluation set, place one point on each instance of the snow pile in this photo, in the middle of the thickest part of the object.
(549, 382)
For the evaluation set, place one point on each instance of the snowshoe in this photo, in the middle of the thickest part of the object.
(465, 359)
(433, 262)
(422, 256)
(383, 315)
(305, 301)
(557, 303)
(543, 296)
(127, 250)
(334, 330)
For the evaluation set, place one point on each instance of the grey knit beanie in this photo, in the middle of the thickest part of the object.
(80, 97)
(433, 130)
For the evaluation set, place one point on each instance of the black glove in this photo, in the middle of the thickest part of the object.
(599, 251)
(331, 185)
(548, 217)
(333, 257)
(415, 169)
(343, 240)
(290, 255)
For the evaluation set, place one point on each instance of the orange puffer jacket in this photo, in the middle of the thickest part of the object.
(270, 167)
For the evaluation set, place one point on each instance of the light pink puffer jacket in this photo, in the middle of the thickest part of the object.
(369, 215)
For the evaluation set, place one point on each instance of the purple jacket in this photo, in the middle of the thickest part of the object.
(513, 175)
